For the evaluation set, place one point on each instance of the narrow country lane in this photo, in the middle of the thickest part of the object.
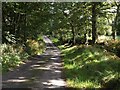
(42, 72)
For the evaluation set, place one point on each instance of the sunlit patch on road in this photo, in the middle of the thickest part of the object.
(41, 71)
(55, 83)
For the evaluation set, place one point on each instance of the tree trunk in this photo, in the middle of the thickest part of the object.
(86, 38)
(94, 35)
(113, 33)
(25, 29)
(114, 28)
(73, 34)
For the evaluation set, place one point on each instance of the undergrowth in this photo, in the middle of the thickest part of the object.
(11, 56)
(15, 55)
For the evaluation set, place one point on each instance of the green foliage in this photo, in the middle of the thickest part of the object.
(20, 32)
(24, 24)
(102, 26)
(34, 47)
(90, 67)
(11, 57)
(55, 41)
(14, 55)
(66, 21)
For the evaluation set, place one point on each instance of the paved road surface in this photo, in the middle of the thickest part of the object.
(42, 72)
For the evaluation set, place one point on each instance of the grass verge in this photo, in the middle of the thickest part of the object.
(90, 67)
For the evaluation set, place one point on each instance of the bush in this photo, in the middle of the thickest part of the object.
(34, 47)
(14, 55)
(11, 56)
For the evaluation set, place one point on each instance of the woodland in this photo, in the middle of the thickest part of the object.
(87, 33)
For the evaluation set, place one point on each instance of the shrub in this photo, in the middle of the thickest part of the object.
(34, 47)
(11, 56)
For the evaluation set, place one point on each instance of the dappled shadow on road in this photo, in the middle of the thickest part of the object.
(40, 71)
(34, 71)
(64, 88)
(24, 75)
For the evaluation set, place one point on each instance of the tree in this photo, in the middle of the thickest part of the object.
(94, 34)
(116, 21)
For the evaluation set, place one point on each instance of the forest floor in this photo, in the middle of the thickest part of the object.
(40, 72)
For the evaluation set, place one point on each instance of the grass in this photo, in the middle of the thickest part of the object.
(90, 67)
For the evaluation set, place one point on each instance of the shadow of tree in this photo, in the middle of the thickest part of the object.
(91, 72)
(90, 65)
